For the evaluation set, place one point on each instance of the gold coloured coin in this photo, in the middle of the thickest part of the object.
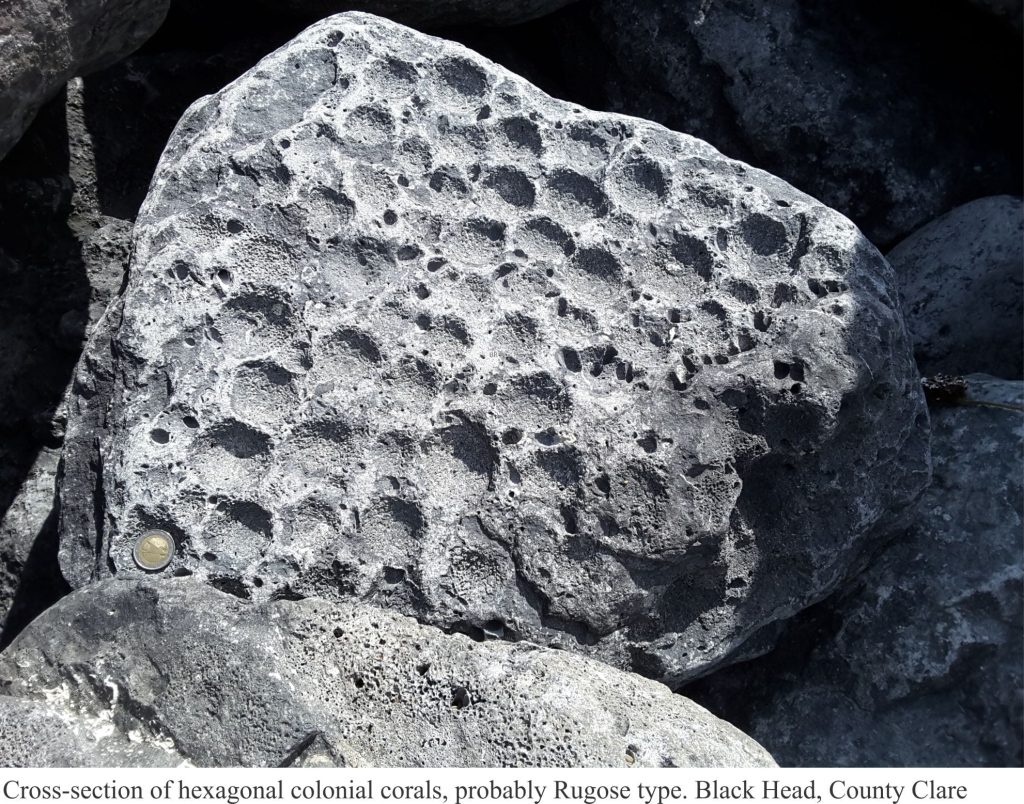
(153, 550)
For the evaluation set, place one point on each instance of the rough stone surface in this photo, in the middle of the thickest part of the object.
(68, 193)
(961, 278)
(225, 682)
(603, 353)
(130, 109)
(919, 663)
(810, 91)
(34, 734)
(43, 43)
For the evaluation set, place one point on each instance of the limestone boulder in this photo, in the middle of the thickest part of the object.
(176, 671)
(404, 329)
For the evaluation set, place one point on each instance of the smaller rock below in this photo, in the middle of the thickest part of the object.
(962, 282)
(315, 682)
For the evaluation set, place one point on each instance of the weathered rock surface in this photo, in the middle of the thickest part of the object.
(34, 734)
(219, 681)
(130, 109)
(961, 278)
(811, 91)
(43, 43)
(400, 327)
(919, 663)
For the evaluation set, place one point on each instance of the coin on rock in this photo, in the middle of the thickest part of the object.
(154, 550)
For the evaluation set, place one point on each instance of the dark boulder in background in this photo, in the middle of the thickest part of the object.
(919, 661)
(891, 113)
(1008, 11)
(962, 287)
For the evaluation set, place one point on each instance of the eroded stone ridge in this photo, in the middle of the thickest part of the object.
(402, 328)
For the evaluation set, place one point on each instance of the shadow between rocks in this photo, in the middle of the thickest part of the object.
(41, 583)
(43, 310)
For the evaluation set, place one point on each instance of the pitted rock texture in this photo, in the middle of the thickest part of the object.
(919, 662)
(402, 328)
(811, 91)
(224, 682)
(34, 734)
(43, 43)
(961, 278)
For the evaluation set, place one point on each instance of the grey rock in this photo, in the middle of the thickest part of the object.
(123, 116)
(29, 577)
(810, 91)
(962, 283)
(919, 662)
(223, 682)
(61, 260)
(34, 734)
(43, 43)
(400, 327)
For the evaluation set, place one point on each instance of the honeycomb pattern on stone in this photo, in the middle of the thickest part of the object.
(402, 328)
